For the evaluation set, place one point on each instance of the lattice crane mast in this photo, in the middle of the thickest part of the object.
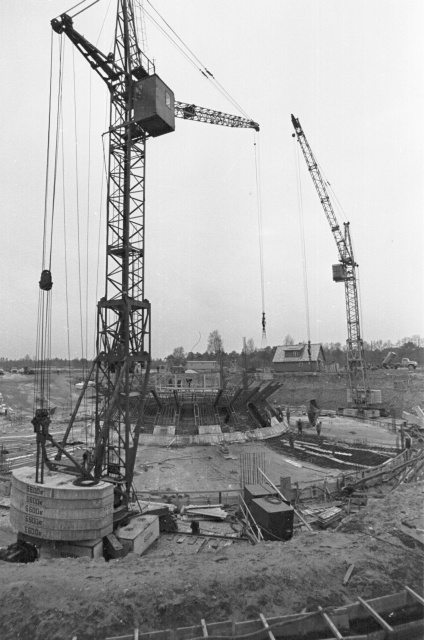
(343, 272)
(142, 106)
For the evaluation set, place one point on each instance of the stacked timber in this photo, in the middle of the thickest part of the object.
(59, 510)
(205, 512)
(328, 516)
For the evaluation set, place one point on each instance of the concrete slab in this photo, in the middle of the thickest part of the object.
(351, 430)
(209, 428)
(203, 468)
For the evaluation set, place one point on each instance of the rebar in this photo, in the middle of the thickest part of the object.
(249, 465)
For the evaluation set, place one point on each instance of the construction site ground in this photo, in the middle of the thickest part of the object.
(172, 587)
(180, 580)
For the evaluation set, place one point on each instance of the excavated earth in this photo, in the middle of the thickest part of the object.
(93, 599)
(171, 586)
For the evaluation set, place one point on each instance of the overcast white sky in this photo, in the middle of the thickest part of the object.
(350, 70)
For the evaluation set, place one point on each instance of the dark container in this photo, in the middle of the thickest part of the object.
(274, 518)
(252, 491)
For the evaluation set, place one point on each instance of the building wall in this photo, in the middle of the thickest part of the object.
(297, 367)
(202, 365)
(187, 382)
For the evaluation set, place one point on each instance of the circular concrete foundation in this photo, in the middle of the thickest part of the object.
(57, 509)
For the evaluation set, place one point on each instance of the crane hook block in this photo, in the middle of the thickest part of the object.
(46, 281)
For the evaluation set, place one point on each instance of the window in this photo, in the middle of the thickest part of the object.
(168, 99)
(292, 354)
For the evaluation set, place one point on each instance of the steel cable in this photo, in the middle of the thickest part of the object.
(302, 240)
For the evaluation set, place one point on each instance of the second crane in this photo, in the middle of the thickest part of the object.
(360, 397)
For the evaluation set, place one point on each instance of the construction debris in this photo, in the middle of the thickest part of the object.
(297, 626)
(348, 574)
(206, 514)
(329, 516)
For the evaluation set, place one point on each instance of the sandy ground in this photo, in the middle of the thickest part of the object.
(58, 599)
(205, 469)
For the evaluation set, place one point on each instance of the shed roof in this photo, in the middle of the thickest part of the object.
(316, 351)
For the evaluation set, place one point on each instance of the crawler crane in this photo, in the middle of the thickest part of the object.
(142, 106)
(360, 396)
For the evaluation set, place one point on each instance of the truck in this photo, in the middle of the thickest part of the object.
(406, 363)
(388, 360)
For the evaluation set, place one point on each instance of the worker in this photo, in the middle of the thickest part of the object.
(86, 456)
(291, 441)
(195, 527)
(299, 427)
(288, 415)
(319, 427)
(408, 446)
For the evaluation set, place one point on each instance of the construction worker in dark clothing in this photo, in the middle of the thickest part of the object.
(407, 446)
(291, 441)
(195, 527)
(288, 415)
(299, 427)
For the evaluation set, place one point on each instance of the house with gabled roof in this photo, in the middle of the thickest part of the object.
(299, 358)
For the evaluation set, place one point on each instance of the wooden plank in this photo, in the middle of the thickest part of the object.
(204, 628)
(330, 624)
(412, 533)
(415, 595)
(234, 538)
(266, 626)
(348, 574)
(375, 615)
(202, 544)
(296, 625)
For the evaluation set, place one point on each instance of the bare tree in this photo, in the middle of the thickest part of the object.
(250, 346)
(288, 340)
(178, 355)
(215, 343)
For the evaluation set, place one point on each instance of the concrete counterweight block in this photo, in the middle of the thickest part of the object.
(139, 534)
(59, 510)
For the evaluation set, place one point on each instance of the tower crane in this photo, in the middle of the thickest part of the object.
(361, 397)
(142, 106)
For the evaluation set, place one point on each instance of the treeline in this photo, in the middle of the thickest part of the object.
(376, 352)
(253, 358)
(31, 363)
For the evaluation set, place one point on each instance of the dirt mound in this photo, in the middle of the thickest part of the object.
(401, 390)
(57, 599)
